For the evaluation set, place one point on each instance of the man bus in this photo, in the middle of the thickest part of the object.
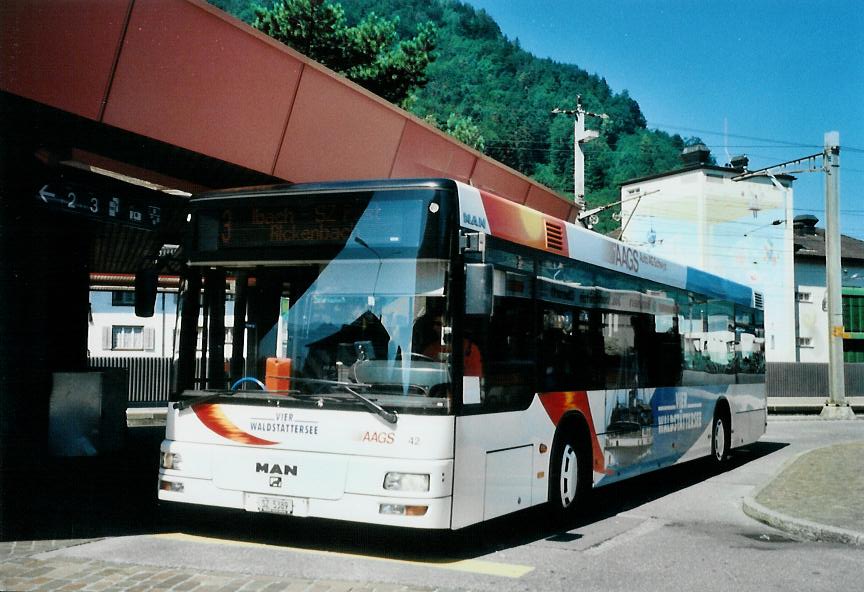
(306, 385)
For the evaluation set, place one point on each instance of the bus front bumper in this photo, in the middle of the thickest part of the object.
(425, 513)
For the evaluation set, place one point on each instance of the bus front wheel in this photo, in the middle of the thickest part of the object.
(568, 478)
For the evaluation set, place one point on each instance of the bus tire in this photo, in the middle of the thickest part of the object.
(720, 437)
(569, 475)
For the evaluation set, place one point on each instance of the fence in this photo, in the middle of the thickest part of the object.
(149, 378)
(810, 380)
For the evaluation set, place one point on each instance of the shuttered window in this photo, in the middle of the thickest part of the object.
(132, 338)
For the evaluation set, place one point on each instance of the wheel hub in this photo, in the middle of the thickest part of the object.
(569, 476)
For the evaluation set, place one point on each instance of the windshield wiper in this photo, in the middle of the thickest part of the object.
(186, 403)
(388, 416)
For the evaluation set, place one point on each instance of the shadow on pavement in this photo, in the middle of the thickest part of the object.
(84, 497)
(80, 498)
(430, 546)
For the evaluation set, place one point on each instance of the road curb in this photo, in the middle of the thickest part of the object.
(146, 416)
(800, 527)
(814, 531)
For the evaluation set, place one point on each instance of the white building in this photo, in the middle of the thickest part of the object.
(811, 317)
(739, 229)
(115, 331)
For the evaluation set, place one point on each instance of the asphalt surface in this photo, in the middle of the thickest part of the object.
(815, 495)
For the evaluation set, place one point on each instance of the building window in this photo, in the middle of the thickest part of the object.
(805, 342)
(229, 337)
(122, 298)
(129, 338)
(804, 296)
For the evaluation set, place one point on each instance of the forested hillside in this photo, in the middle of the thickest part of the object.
(499, 97)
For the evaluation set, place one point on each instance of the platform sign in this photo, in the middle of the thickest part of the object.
(100, 204)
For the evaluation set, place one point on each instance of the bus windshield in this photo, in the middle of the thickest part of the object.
(358, 306)
(369, 322)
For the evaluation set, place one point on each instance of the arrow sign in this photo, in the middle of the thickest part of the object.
(45, 194)
(124, 208)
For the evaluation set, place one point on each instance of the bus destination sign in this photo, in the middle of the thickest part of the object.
(75, 198)
(300, 223)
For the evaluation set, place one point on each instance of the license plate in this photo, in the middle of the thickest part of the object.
(273, 505)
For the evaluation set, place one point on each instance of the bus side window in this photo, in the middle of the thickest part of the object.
(571, 349)
(619, 347)
(508, 356)
(749, 345)
(668, 353)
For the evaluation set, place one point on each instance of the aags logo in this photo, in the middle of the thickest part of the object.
(626, 257)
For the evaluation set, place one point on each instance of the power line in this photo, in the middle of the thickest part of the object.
(772, 142)
(754, 138)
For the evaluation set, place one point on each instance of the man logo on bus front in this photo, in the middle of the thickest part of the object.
(276, 469)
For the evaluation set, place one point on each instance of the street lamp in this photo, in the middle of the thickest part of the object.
(774, 223)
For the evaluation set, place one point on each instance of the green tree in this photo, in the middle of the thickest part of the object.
(371, 53)
(481, 87)
(242, 9)
(462, 128)
(607, 195)
(645, 153)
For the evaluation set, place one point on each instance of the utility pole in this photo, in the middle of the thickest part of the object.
(836, 407)
(580, 136)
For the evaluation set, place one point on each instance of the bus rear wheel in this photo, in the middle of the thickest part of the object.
(569, 478)
(720, 439)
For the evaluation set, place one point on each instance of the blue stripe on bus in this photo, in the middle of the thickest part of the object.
(713, 285)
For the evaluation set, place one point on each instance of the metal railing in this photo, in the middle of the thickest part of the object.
(799, 379)
(149, 378)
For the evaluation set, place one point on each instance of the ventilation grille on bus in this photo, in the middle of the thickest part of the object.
(554, 236)
(758, 300)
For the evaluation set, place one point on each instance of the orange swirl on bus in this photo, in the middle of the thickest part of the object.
(212, 416)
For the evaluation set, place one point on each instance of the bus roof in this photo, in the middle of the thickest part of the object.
(326, 187)
(490, 214)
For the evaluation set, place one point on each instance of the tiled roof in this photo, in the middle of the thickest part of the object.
(810, 242)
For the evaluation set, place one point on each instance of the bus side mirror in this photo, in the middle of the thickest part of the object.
(478, 289)
(146, 285)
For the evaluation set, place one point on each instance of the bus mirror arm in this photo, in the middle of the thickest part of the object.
(478, 289)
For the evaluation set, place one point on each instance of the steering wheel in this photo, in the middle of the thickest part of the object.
(246, 379)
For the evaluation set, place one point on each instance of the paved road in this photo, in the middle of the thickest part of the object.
(681, 528)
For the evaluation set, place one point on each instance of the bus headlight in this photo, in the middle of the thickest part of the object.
(170, 460)
(406, 482)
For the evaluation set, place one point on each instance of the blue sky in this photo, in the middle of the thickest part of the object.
(776, 75)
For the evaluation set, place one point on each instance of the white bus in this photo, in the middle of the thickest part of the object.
(424, 354)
